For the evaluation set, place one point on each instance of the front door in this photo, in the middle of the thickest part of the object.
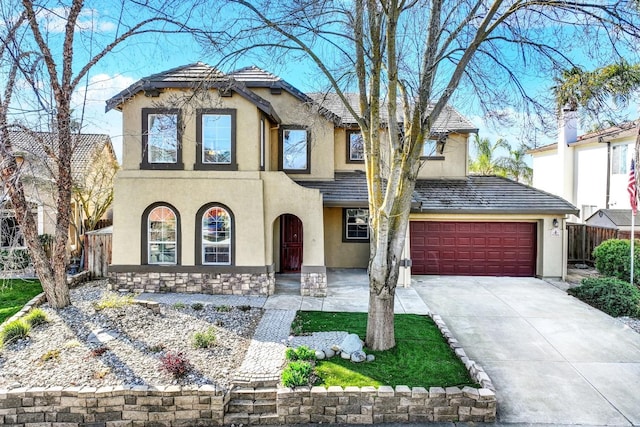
(291, 246)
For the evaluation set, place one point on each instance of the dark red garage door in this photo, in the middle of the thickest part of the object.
(473, 248)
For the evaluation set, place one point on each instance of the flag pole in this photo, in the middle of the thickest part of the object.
(633, 217)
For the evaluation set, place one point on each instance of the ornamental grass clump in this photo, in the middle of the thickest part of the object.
(36, 317)
(14, 330)
(112, 300)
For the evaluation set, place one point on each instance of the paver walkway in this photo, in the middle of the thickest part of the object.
(552, 358)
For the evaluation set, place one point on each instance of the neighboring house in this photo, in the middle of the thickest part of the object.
(228, 179)
(620, 219)
(37, 171)
(591, 171)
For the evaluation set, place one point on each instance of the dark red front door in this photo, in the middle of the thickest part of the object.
(291, 246)
(473, 248)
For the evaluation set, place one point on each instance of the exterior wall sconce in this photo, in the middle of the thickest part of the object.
(555, 223)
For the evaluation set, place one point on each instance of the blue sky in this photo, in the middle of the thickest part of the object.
(149, 54)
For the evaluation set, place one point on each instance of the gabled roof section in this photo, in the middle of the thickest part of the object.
(195, 76)
(474, 194)
(450, 120)
(35, 146)
(619, 217)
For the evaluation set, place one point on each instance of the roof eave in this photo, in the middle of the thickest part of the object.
(496, 211)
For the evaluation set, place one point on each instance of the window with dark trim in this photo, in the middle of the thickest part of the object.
(355, 147)
(619, 159)
(216, 139)
(263, 137)
(432, 149)
(160, 235)
(161, 139)
(295, 149)
(214, 235)
(355, 225)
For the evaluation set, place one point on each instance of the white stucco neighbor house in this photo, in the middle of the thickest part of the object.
(590, 171)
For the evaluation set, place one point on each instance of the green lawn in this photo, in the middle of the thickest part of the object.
(14, 293)
(421, 358)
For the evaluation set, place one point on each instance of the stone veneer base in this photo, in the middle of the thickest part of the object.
(202, 283)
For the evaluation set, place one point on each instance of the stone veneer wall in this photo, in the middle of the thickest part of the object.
(366, 405)
(113, 406)
(203, 283)
(313, 284)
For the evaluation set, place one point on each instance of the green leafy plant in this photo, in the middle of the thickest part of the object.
(244, 307)
(612, 258)
(297, 373)
(113, 300)
(223, 308)
(204, 339)
(14, 330)
(197, 306)
(36, 317)
(613, 296)
(176, 364)
(179, 305)
(50, 355)
(300, 353)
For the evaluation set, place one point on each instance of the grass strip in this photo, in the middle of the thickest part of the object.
(14, 294)
(421, 358)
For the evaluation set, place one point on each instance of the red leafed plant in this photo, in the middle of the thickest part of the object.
(175, 363)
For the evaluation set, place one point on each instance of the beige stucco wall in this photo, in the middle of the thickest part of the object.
(341, 254)
(550, 251)
(454, 165)
(340, 149)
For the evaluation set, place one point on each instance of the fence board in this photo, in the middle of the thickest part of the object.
(98, 250)
(583, 239)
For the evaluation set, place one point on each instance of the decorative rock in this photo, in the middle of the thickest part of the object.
(335, 348)
(345, 356)
(370, 358)
(320, 354)
(329, 353)
(351, 343)
(100, 336)
(358, 356)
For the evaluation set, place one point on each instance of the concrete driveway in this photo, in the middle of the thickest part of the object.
(553, 359)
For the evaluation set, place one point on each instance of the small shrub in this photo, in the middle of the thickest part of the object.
(50, 355)
(112, 300)
(179, 306)
(300, 353)
(204, 339)
(297, 373)
(157, 348)
(15, 330)
(612, 258)
(176, 364)
(613, 296)
(99, 351)
(223, 308)
(244, 308)
(197, 306)
(36, 317)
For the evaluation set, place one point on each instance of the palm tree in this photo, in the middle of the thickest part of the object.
(485, 162)
(515, 166)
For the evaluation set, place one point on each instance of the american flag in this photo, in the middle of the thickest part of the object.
(632, 189)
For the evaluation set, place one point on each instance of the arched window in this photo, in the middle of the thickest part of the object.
(161, 226)
(215, 236)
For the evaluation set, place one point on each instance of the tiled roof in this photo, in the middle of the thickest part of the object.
(450, 120)
(619, 217)
(197, 75)
(474, 194)
(34, 146)
(623, 130)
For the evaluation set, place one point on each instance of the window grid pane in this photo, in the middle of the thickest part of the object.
(357, 224)
(294, 154)
(216, 237)
(161, 236)
(356, 146)
(216, 138)
(162, 138)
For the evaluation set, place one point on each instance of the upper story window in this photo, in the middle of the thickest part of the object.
(216, 139)
(356, 224)
(215, 235)
(432, 149)
(161, 230)
(355, 147)
(619, 159)
(161, 145)
(294, 149)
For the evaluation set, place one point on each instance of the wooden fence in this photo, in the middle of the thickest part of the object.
(582, 240)
(97, 250)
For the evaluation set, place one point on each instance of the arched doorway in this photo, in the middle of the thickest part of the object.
(291, 244)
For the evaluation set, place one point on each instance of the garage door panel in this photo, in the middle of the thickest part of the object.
(473, 248)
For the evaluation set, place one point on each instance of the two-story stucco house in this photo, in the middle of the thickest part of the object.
(228, 179)
(591, 170)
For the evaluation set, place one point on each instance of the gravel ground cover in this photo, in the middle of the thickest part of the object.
(83, 346)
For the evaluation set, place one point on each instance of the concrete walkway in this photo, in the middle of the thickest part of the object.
(553, 359)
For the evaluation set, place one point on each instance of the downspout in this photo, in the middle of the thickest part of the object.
(608, 174)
